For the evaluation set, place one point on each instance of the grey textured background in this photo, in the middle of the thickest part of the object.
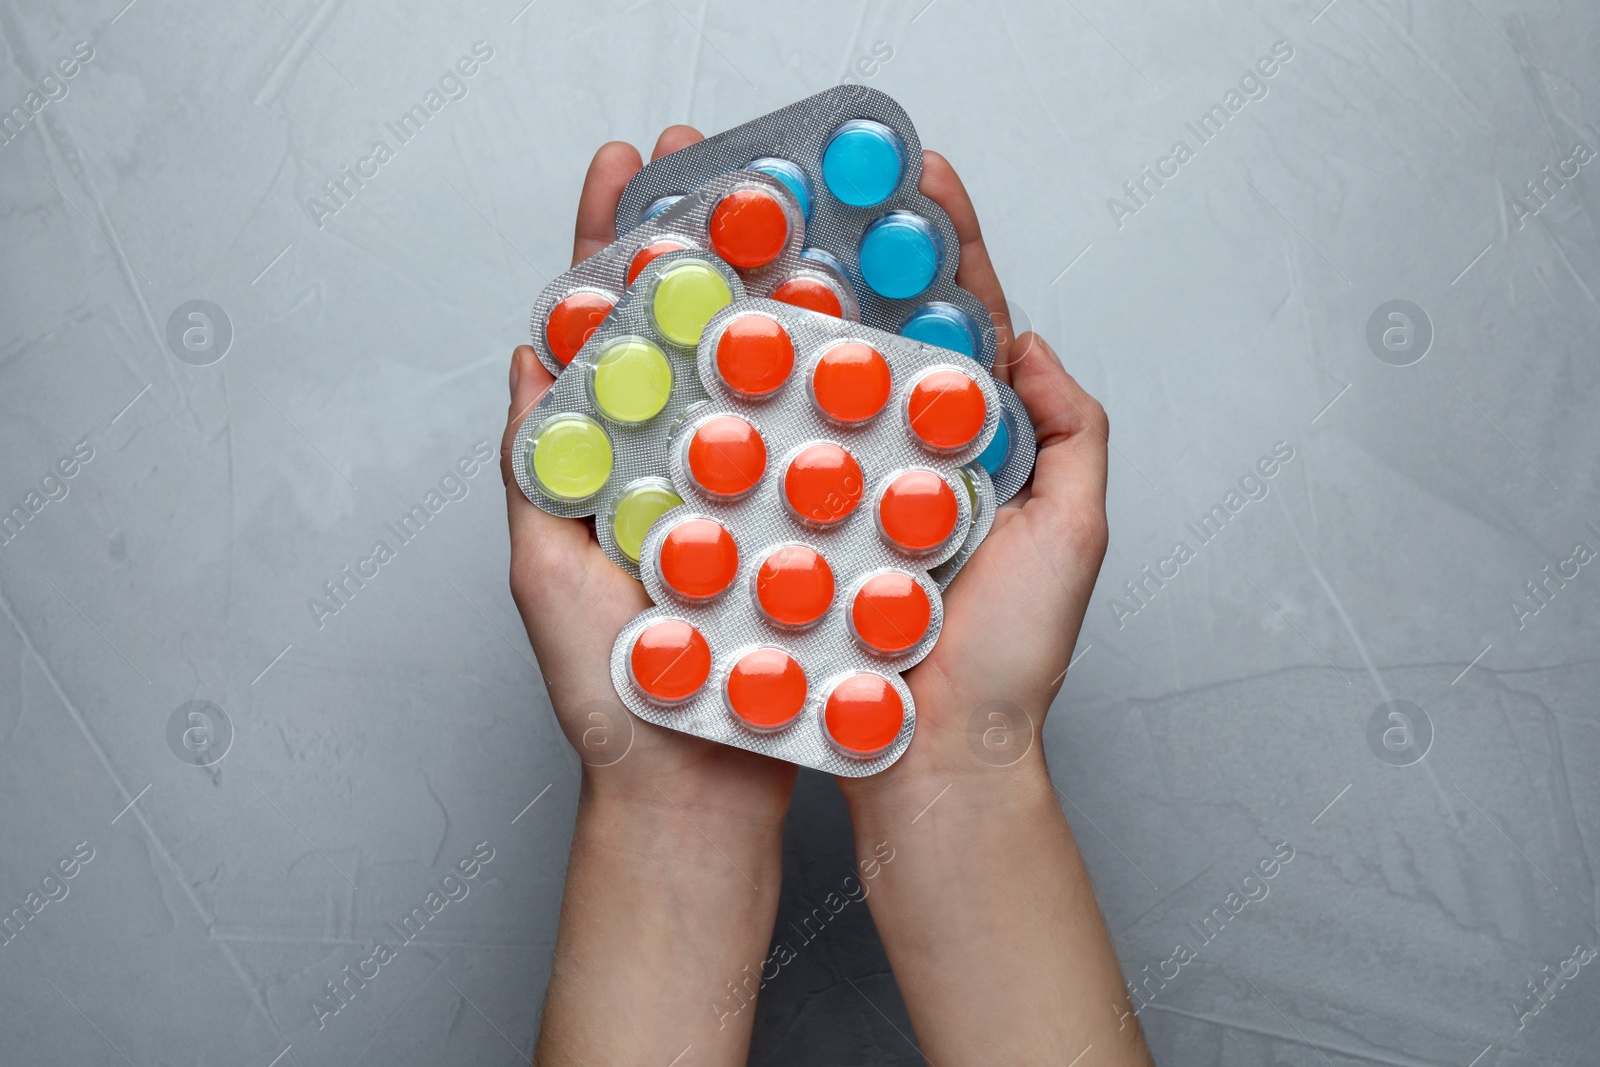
(370, 355)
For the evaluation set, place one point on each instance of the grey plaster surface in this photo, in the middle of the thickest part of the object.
(1224, 711)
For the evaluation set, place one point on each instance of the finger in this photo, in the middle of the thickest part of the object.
(673, 138)
(609, 171)
(529, 380)
(1069, 475)
(976, 274)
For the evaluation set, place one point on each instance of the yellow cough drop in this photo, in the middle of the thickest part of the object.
(571, 457)
(686, 295)
(632, 380)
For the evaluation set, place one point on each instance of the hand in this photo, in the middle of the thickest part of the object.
(574, 601)
(986, 910)
(1011, 617)
(673, 879)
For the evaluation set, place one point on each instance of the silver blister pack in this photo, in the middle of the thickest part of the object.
(748, 219)
(854, 159)
(596, 442)
(821, 483)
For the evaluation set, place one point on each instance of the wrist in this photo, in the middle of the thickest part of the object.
(949, 777)
(675, 813)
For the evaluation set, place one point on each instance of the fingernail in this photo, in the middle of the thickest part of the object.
(516, 371)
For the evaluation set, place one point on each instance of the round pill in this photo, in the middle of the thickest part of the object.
(571, 457)
(890, 613)
(944, 326)
(998, 450)
(824, 257)
(658, 205)
(686, 295)
(632, 380)
(790, 175)
(698, 558)
(851, 382)
(766, 689)
(754, 355)
(794, 586)
(900, 255)
(863, 162)
(670, 661)
(946, 409)
(571, 321)
(823, 484)
(972, 490)
(748, 228)
(918, 511)
(643, 257)
(637, 509)
(810, 293)
(863, 715)
(727, 456)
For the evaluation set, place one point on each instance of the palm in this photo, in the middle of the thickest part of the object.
(574, 602)
(1003, 625)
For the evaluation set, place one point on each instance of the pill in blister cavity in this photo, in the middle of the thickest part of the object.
(822, 484)
(698, 559)
(749, 228)
(994, 455)
(822, 257)
(900, 254)
(642, 258)
(821, 284)
(670, 661)
(918, 511)
(766, 689)
(658, 205)
(1008, 458)
(572, 321)
(944, 326)
(632, 380)
(686, 295)
(972, 490)
(727, 456)
(643, 502)
(794, 586)
(813, 294)
(863, 162)
(890, 612)
(851, 383)
(754, 355)
(790, 175)
(570, 457)
(862, 715)
(979, 488)
(946, 409)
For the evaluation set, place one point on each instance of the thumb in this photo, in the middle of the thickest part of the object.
(1069, 476)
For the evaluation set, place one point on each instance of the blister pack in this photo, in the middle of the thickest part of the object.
(853, 159)
(596, 442)
(821, 482)
(748, 219)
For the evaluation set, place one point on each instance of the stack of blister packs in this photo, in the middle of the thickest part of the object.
(776, 404)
